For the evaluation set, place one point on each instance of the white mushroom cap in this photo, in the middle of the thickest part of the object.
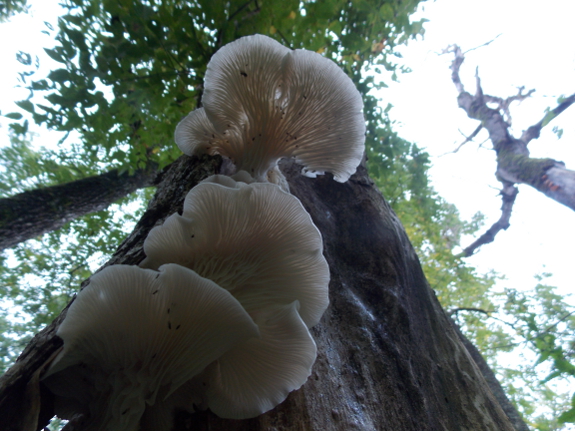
(263, 102)
(254, 240)
(147, 332)
(249, 379)
(258, 374)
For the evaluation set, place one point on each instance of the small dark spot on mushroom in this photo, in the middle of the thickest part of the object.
(244, 74)
(305, 97)
(154, 292)
(154, 355)
(125, 411)
(169, 325)
(213, 136)
(157, 276)
(192, 236)
(178, 327)
(169, 310)
(254, 138)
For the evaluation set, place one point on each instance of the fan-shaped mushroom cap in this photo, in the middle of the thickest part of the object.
(263, 102)
(146, 333)
(255, 240)
(250, 379)
(258, 374)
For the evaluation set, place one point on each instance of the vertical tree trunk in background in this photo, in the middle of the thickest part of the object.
(388, 357)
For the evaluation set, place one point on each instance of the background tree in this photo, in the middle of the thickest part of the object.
(514, 165)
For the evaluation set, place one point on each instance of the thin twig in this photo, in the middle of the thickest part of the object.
(457, 310)
(539, 334)
(284, 38)
(503, 104)
(481, 46)
(534, 131)
(468, 138)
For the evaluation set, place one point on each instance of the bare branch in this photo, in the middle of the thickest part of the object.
(455, 66)
(508, 195)
(514, 164)
(467, 139)
(457, 310)
(503, 104)
(534, 131)
(481, 46)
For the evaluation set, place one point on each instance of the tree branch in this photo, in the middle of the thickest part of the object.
(468, 138)
(35, 212)
(514, 165)
(534, 131)
(457, 310)
(503, 104)
(508, 195)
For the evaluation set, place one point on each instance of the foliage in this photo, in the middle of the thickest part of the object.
(131, 69)
(25, 168)
(9, 8)
(543, 323)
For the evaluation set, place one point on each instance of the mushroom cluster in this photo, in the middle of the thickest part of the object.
(263, 102)
(218, 314)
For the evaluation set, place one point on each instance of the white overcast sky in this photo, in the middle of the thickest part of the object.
(536, 49)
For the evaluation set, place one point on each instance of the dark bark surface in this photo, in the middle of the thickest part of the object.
(388, 356)
(492, 382)
(35, 212)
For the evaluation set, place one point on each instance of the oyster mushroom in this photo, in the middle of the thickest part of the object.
(133, 335)
(263, 102)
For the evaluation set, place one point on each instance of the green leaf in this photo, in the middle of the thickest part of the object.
(26, 105)
(386, 12)
(567, 417)
(14, 115)
(59, 75)
(54, 55)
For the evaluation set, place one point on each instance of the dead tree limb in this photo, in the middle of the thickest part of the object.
(514, 164)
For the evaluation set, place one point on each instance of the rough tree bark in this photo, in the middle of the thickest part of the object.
(389, 358)
(35, 212)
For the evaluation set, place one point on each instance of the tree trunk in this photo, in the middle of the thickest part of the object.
(35, 212)
(388, 356)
